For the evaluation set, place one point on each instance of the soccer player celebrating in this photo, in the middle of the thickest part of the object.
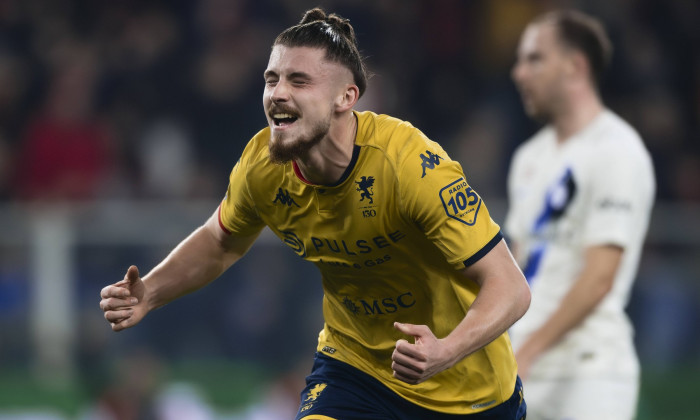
(419, 286)
(580, 192)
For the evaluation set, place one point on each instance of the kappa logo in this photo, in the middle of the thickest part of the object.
(460, 201)
(364, 186)
(284, 198)
(430, 161)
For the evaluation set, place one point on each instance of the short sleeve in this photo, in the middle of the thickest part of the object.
(437, 197)
(237, 212)
(622, 189)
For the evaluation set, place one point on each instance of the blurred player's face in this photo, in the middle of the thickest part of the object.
(301, 88)
(540, 71)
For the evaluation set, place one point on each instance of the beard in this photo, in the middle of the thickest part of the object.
(283, 151)
(538, 111)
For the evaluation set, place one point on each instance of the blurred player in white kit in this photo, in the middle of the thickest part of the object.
(580, 195)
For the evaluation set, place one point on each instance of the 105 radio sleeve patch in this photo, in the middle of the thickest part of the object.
(460, 201)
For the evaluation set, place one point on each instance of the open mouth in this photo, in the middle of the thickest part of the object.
(282, 119)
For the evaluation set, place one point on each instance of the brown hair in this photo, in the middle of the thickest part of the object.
(586, 34)
(332, 32)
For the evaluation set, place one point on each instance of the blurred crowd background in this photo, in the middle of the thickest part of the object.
(121, 120)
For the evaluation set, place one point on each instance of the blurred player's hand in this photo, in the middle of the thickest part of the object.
(123, 302)
(428, 356)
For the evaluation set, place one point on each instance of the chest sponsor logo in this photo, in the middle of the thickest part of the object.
(284, 198)
(292, 240)
(336, 246)
(379, 306)
(460, 201)
(429, 160)
(344, 252)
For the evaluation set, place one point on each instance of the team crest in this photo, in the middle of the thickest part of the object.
(312, 396)
(315, 392)
(460, 201)
(364, 187)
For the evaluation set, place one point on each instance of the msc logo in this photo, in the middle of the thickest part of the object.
(283, 198)
(460, 201)
(429, 162)
(364, 186)
(291, 239)
(381, 306)
(351, 305)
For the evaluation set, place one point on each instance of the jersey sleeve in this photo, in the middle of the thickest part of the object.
(622, 189)
(237, 212)
(436, 196)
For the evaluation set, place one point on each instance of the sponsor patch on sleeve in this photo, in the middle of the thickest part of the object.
(460, 201)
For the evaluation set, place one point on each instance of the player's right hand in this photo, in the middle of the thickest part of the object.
(123, 302)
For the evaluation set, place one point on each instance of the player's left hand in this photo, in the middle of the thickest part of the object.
(427, 356)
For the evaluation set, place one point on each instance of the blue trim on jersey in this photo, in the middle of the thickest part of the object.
(351, 166)
(556, 200)
(485, 250)
(338, 390)
(533, 262)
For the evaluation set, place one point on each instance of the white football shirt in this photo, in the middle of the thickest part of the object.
(595, 188)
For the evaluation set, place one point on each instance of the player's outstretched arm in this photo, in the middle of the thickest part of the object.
(196, 261)
(503, 299)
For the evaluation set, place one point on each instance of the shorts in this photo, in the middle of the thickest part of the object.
(337, 391)
(582, 399)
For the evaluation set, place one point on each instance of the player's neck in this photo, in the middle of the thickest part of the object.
(326, 162)
(580, 111)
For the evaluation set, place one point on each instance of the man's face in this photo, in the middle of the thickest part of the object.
(301, 88)
(539, 72)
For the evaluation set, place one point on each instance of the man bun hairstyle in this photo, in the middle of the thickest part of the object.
(586, 34)
(333, 33)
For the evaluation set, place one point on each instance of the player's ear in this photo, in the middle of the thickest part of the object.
(578, 65)
(348, 99)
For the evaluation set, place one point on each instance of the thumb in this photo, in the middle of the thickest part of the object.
(409, 329)
(132, 274)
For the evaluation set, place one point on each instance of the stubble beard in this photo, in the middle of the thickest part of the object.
(538, 113)
(282, 151)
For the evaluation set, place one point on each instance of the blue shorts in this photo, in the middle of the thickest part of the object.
(338, 391)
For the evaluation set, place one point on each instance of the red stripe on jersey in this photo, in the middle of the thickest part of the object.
(221, 224)
(297, 171)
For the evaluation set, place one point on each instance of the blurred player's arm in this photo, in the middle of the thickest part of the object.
(592, 285)
(199, 259)
(503, 298)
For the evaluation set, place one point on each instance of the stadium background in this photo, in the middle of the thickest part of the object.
(120, 121)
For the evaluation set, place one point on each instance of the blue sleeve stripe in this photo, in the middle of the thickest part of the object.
(485, 250)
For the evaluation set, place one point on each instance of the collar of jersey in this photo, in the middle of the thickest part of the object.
(346, 173)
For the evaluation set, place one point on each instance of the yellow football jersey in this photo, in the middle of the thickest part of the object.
(388, 238)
